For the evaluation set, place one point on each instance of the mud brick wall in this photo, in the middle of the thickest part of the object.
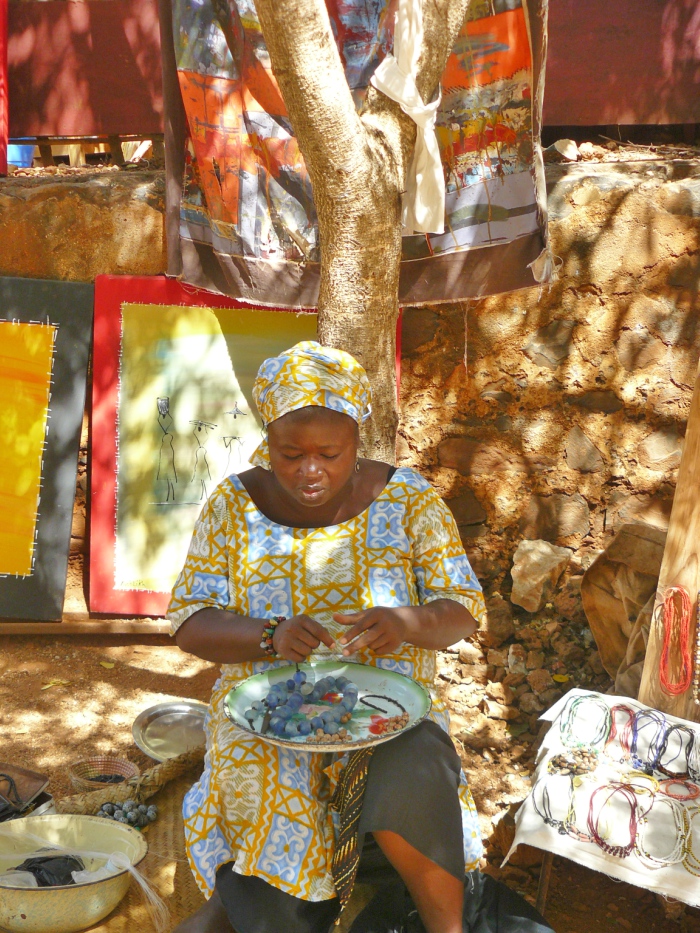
(559, 413)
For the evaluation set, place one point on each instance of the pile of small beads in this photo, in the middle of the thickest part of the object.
(135, 814)
(578, 761)
(281, 708)
(392, 724)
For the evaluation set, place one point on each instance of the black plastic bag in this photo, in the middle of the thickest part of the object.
(51, 871)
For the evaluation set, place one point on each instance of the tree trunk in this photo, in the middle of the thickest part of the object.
(357, 164)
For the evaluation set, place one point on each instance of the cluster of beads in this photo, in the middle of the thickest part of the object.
(575, 762)
(135, 814)
(392, 724)
(268, 633)
(281, 708)
(323, 738)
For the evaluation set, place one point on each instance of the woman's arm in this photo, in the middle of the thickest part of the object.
(383, 629)
(228, 638)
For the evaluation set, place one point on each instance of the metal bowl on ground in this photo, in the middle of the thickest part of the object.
(73, 907)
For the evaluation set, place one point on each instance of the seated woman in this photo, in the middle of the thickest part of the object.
(315, 554)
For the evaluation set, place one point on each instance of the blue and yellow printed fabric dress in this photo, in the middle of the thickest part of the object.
(264, 807)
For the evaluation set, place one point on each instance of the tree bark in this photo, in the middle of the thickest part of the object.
(357, 164)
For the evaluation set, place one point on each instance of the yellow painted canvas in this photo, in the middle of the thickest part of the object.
(186, 421)
(26, 358)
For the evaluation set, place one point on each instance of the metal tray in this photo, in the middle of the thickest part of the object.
(169, 729)
(372, 681)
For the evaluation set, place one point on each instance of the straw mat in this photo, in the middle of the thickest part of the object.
(165, 866)
(167, 869)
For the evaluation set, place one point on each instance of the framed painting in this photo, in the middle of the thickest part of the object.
(172, 415)
(45, 331)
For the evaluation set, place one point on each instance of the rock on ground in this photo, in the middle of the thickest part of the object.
(537, 567)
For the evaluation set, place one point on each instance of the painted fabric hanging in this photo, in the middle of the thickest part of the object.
(617, 788)
(45, 330)
(173, 415)
(240, 211)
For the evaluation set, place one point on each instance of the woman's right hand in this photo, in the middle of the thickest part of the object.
(295, 638)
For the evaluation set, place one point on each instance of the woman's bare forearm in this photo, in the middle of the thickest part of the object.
(437, 624)
(222, 636)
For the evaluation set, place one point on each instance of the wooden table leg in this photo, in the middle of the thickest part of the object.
(543, 886)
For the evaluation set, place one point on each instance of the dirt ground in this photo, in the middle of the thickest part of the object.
(47, 729)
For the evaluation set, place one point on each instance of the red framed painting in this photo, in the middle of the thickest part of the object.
(172, 415)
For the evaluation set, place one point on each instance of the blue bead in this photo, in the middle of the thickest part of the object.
(258, 705)
(331, 728)
(290, 684)
(291, 727)
(300, 677)
(285, 712)
(341, 682)
(250, 714)
(305, 728)
(331, 682)
(277, 725)
(273, 702)
(327, 715)
(317, 723)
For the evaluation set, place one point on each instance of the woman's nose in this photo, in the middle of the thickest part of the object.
(311, 467)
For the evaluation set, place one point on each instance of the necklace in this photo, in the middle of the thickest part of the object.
(544, 809)
(663, 766)
(625, 736)
(672, 620)
(693, 790)
(642, 718)
(696, 672)
(682, 826)
(567, 724)
(618, 851)
(282, 714)
(691, 862)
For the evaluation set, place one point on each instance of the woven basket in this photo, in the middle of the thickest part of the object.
(83, 773)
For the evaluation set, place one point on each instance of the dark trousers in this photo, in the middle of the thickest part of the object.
(412, 790)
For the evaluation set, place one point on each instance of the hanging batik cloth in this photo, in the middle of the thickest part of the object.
(241, 217)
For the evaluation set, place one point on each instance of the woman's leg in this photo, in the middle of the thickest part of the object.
(411, 806)
(254, 906)
(437, 894)
(210, 918)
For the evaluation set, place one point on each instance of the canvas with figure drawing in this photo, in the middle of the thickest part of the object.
(173, 415)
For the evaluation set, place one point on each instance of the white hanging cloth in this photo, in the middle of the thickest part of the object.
(424, 199)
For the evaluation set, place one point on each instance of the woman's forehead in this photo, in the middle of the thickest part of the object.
(313, 418)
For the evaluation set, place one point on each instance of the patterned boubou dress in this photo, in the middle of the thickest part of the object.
(264, 807)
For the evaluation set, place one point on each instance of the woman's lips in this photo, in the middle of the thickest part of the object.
(311, 492)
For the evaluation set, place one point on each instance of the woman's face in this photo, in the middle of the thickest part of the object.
(313, 453)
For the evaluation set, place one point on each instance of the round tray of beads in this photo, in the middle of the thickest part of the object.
(328, 706)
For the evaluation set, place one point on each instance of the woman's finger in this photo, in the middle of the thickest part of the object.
(318, 632)
(365, 640)
(361, 626)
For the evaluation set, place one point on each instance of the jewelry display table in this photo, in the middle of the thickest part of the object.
(617, 789)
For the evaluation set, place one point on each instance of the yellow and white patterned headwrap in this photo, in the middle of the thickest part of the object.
(309, 375)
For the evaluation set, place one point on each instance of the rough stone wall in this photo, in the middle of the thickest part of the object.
(568, 418)
(74, 224)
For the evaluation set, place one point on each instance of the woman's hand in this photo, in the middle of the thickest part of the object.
(381, 629)
(295, 638)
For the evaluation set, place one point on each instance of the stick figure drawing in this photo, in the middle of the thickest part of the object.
(229, 445)
(201, 472)
(166, 459)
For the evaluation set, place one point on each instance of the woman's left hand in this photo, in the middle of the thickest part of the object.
(381, 629)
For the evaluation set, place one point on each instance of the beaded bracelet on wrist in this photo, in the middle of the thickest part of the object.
(268, 635)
